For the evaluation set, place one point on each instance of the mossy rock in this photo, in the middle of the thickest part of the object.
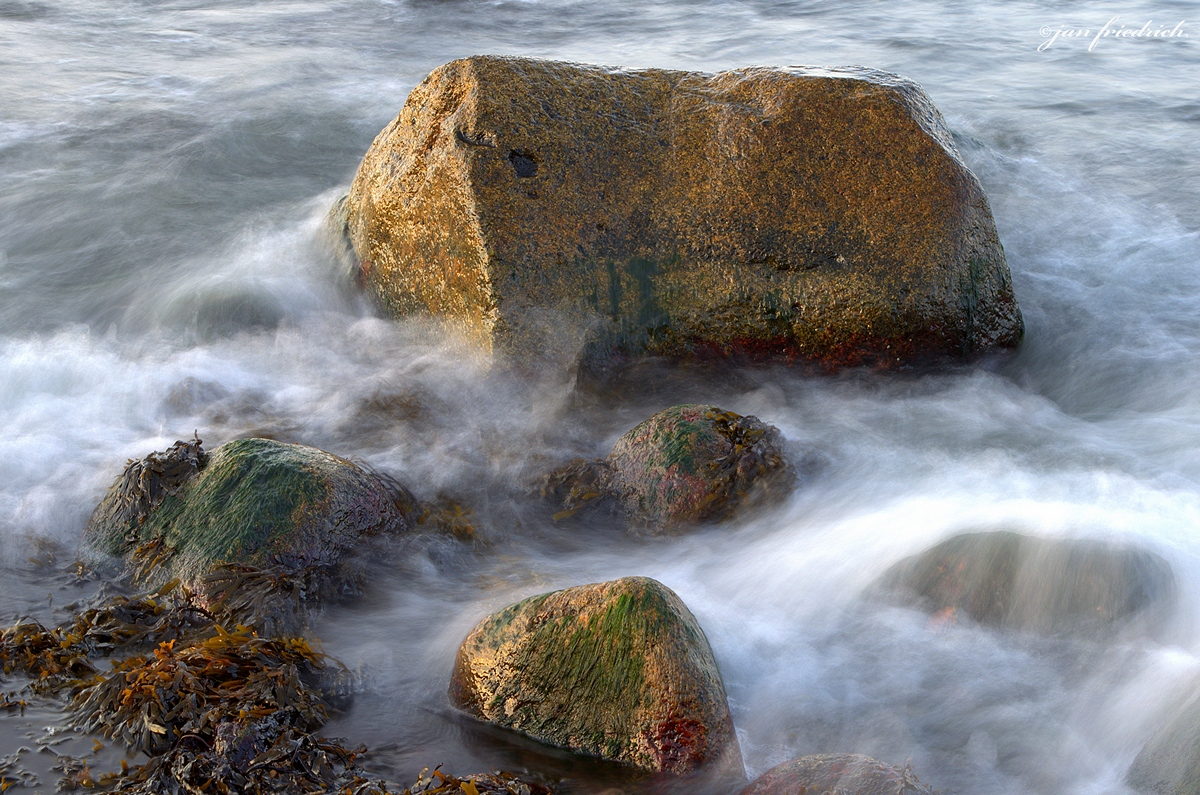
(618, 670)
(251, 502)
(1169, 764)
(1004, 579)
(685, 465)
(819, 215)
(843, 774)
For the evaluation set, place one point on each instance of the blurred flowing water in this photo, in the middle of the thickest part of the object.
(164, 169)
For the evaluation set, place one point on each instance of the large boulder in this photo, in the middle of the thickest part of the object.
(1004, 579)
(685, 465)
(837, 774)
(813, 214)
(1169, 764)
(617, 670)
(251, 502)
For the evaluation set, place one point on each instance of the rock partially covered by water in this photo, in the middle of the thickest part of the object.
(686, 464)
(1004, 579)
(618, 670)
(851, 774)
(1170, 763)
(251, 502)
(814, 214)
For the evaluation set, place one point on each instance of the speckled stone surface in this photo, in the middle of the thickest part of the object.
(812, 214)
(618, 670)
(837, 774)
(1169, 764)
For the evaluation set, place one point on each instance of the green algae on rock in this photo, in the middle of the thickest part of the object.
(852, 774)
(687, 464)
(618, 670)
(821, 215)
(1004, 579)
(251, 502)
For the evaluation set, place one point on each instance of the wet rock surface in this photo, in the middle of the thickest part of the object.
(813, 214)
(685, 465)
(618, 670)
(260, 503)
(1169, 764)
(213, 705)
(837, 774)
(1004, 579)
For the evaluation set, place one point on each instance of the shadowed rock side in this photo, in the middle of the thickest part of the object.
(685, 465)
(1170, 763)
(1004, 579)
(842, 774)
(251, 502)
(818, 215)
(617, 670)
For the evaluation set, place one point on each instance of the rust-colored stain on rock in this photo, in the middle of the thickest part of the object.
(819, 215)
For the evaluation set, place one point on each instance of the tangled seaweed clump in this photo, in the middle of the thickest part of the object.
(218, 706)
(201, 691)
(145, 483)
(151, 702)
(62, 657)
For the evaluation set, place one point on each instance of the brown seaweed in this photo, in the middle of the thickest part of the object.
(150, 702)
(147, 482)
(218, 706)
(753, 471)
(497, 782)
(61, 657)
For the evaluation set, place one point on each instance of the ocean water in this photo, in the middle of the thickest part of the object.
(164, 170)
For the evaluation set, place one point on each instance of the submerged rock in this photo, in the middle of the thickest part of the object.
(814, 214)
(495, 783)
(617, 670)
(251, 502)
(1170, 763)
(686, 464)
(1004, 579)
(843, 774)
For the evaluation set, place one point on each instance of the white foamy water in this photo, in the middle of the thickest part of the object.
(163, 174)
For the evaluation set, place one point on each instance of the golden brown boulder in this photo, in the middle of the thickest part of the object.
(837, 774)
(817, 215)
(617, 670)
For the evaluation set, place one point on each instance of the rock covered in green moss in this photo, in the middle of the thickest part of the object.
(814, 214)
(1169, 764)
(851, 774)
(693, 463)
(619, 670)
(686, 464)
(251, 502)
(1004, 579)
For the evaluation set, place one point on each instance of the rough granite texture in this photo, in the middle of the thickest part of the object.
(837, 774)
(685, 465)
(617, 670)
(813, 214)
(693, 463)
(256, 502)
(1004, 579)
(1170, 763)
